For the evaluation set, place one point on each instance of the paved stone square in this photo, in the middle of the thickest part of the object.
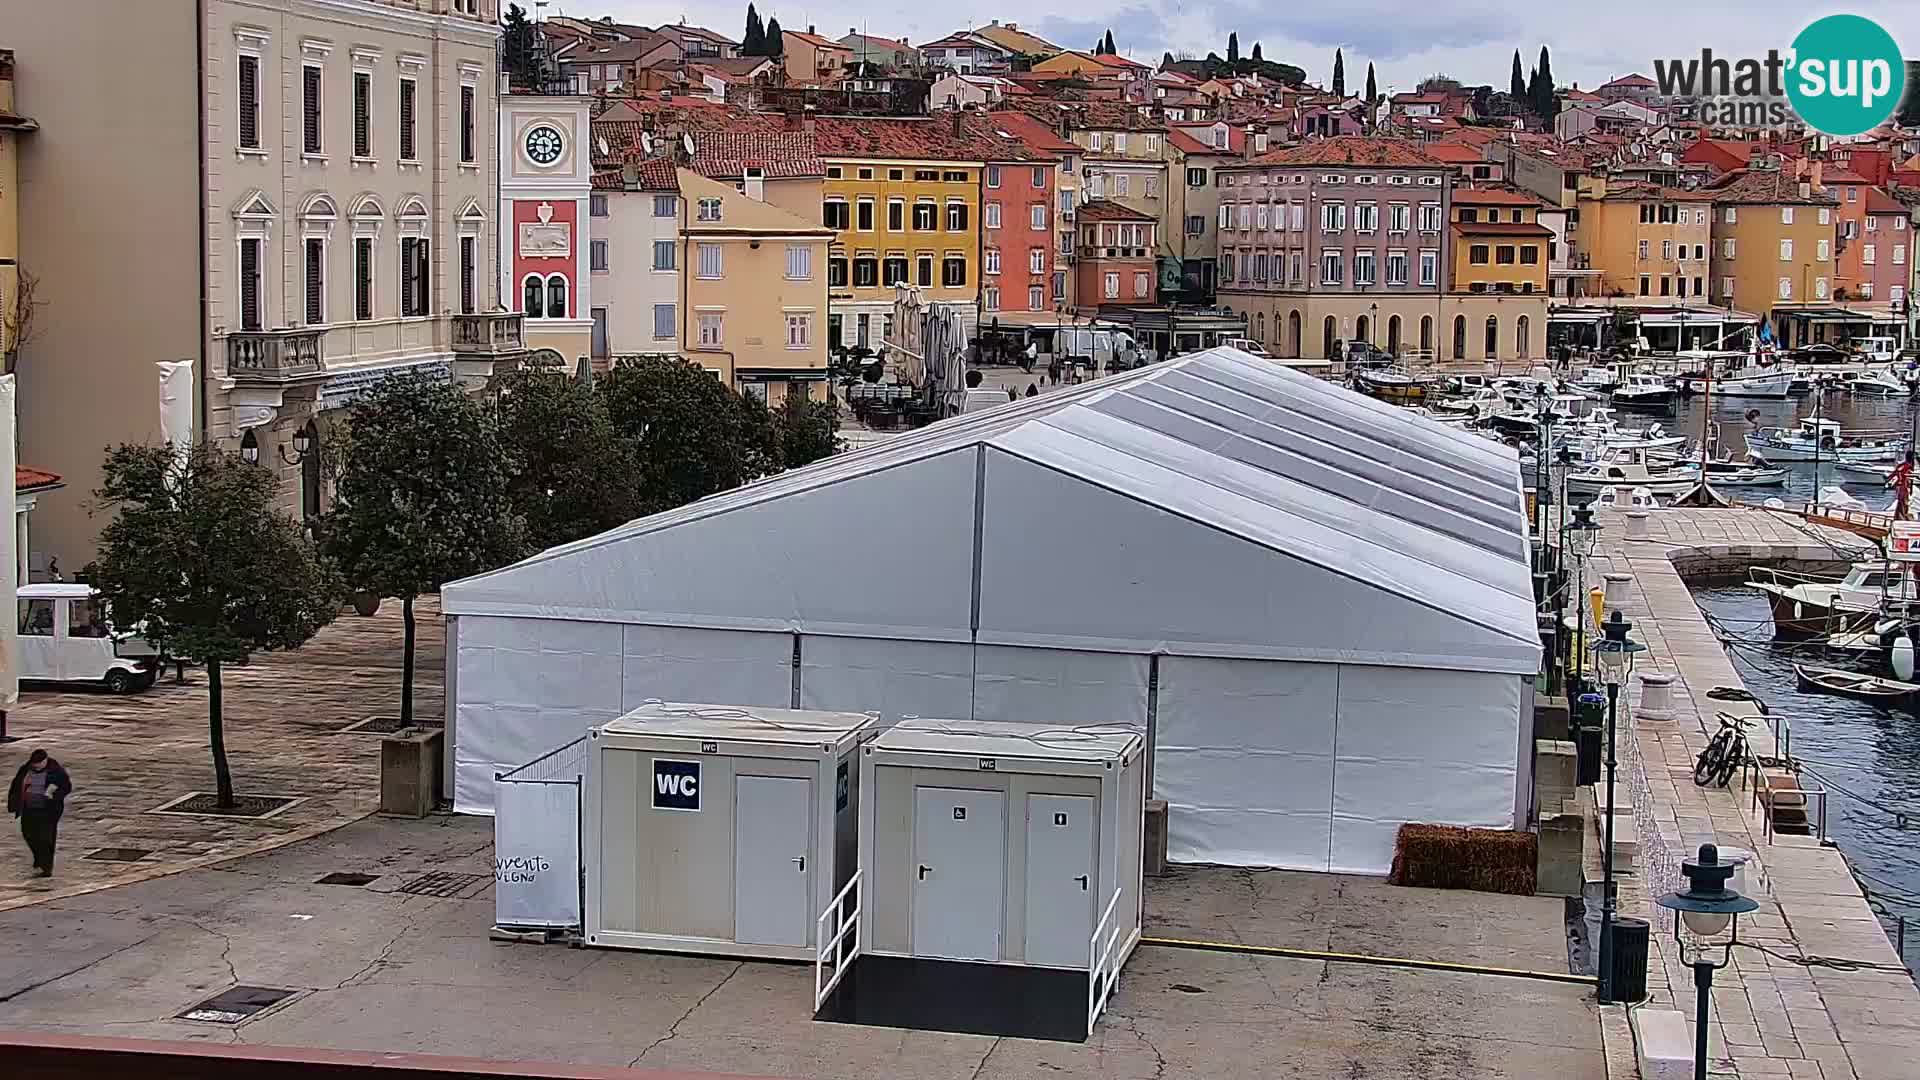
(130, 754)
(379, 969)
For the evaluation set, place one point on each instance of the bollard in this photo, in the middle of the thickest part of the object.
(1636, 524)
(1616, 590)
(1656, 696)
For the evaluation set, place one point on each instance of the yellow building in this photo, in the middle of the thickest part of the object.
(902, 196)
(12, 126)
(1644, 239)
(756, 290)
(1499, 245)
(1772, 245)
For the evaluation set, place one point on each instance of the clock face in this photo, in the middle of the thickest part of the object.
(543, 145)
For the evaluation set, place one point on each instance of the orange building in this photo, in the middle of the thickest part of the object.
(1116, 255)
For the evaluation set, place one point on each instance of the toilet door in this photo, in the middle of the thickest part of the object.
(959, 872)
(1061, 883)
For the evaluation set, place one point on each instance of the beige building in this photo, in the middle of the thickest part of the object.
(321, 172)
(756, 285)
(1772, 247)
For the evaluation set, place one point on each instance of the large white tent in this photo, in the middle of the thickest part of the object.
(1318, 606)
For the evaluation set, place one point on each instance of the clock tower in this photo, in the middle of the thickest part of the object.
(546, 172)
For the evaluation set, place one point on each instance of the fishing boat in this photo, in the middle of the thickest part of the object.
(1644, 392)
(1390, 384)
(1804, 606)
(1818, 439)
(1484, 403)
(1733, 474)
(1877, 383)
(1631, 469)
(1853, 684)
(1864, 472)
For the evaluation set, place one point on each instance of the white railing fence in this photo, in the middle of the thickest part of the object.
(836, 935)
(1100, 962)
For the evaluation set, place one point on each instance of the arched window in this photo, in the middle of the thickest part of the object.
(1293, 333)
(1459, 337)
(1393, 334)
(534, 297)
(1363, 329)
(1493, 336)
(556, 297)
(1260, 327)
(1520, 335)
(1327, 338)
(1426, 334)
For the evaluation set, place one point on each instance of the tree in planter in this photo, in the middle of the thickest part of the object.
(422, 498)
(568, 473)
(197, 556)
(807, 430)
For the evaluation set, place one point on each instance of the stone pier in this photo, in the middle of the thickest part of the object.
(1773, 1014)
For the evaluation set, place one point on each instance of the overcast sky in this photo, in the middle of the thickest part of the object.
(1406, 40)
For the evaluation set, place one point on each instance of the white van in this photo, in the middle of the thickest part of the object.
(64, 637)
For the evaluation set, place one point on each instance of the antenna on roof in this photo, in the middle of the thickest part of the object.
(601, 142)
(686, 140)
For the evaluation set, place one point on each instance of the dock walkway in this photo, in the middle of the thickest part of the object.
(1772, 1015)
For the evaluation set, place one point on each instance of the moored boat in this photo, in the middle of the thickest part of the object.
(1853, 684)
(1806, 607)
(1818, 439)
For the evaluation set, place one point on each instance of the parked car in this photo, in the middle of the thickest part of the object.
(1367, 354)
(1820, 353)
(64, 637)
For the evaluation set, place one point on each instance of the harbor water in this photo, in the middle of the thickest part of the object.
(1867, 755)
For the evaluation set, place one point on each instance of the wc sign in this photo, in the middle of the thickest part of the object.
(676, 785)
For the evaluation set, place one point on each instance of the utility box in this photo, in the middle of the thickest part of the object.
(719, 829)
(1000, 878)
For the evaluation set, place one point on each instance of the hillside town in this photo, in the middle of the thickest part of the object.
(582, 548)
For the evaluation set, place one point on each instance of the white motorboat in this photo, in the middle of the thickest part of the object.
(1484, 403)
(1644, 392)
(1631, 469)
(1734, 474)
(1740, 379)
(1864, 472)
(1880, 382)
(1806, 607)
(1818, 439)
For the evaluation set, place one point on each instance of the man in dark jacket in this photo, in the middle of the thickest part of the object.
(37, 797)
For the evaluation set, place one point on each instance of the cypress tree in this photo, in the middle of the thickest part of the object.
(1547, 104)
(754, 41)
(1233, 48)
(1339, 74)
(1256, 52)
(776, 45)
(1373, 95)
(1518, 87)
(1107, 48)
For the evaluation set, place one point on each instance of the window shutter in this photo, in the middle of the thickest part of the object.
(249, 284)
(250, 101)
(310, 108)
(406, 119)
(466, 274)
(466, 123)
(316, 266)
(362, 93)
(363, 278)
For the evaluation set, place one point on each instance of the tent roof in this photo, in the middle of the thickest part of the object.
(1413, 511)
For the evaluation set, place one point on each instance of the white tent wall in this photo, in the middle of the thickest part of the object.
(677, 663)
(893, 678)
(521, 688)
(1428, 746)
(1060, 687)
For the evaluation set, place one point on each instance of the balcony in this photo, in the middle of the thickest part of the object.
(274, 357)
(488, 335)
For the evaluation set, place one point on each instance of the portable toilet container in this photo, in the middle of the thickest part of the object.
(1000, 881)
(719, 829)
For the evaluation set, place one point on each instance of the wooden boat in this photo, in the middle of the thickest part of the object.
(1853, 684)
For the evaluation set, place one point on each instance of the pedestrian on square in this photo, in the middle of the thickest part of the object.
(38, 796)
(1032, 390)
(1012, 394)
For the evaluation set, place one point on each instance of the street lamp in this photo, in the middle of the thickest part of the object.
(1705, 909)
(249, 447)
(1543, 430)
(1578, 539)
(1613, 660)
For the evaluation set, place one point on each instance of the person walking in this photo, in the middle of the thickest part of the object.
(38, 796)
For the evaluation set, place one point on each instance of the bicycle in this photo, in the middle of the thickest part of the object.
(1724, 755)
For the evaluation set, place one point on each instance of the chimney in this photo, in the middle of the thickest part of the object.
(1013, 26)
(806, 118)
(755, 181)
(1247, 150)
(956, 123)
(1806, 190)
(809, 28)
(1818, 167)
(630, 175)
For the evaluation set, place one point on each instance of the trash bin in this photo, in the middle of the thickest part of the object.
(1589, 714)
(1629, 959)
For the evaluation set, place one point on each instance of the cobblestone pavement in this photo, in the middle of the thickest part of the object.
(130, 754)
(1771, 1015)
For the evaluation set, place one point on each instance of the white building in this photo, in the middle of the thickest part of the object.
(634, 258)
(1317, 606)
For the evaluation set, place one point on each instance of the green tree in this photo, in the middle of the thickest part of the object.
(761, 449)
(1339, 74)
(568, 474)
(422, 498)
(1546, 103)
(519, 47)
(1908, 115)
(197, 556)
(1373, 94)
(1106, 46)
(754, 41)
(687, 428)
(807, 430)
(1256, 52)
(1518, 84)
(776, 39)
(1233, 48)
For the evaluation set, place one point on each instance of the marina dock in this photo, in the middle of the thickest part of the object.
(1782, 1008)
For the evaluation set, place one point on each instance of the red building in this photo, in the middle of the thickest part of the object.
(1115, 263)
(1017, 220)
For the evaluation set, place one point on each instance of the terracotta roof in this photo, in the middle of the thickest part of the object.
(1635, 80)
(1202, 133)
(1833, 175)
(919, 139)
(1187, 144)
(1085, 115)
(726, 155)
(1115, 60)
(1767, 187)
(1643, 191)
(1108, 210)
(1350, 150)
(1502, 228)
(1454, 153)
(1419, 99)
(1012, 37)
(1879, 202)
(1494, 196)
(25, 479)
(814, 40)
(963, 40)
(656, 174)
(1030, 130)
(618, 52)
(736, 65)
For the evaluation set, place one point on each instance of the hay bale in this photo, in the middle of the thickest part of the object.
(1452, 857)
